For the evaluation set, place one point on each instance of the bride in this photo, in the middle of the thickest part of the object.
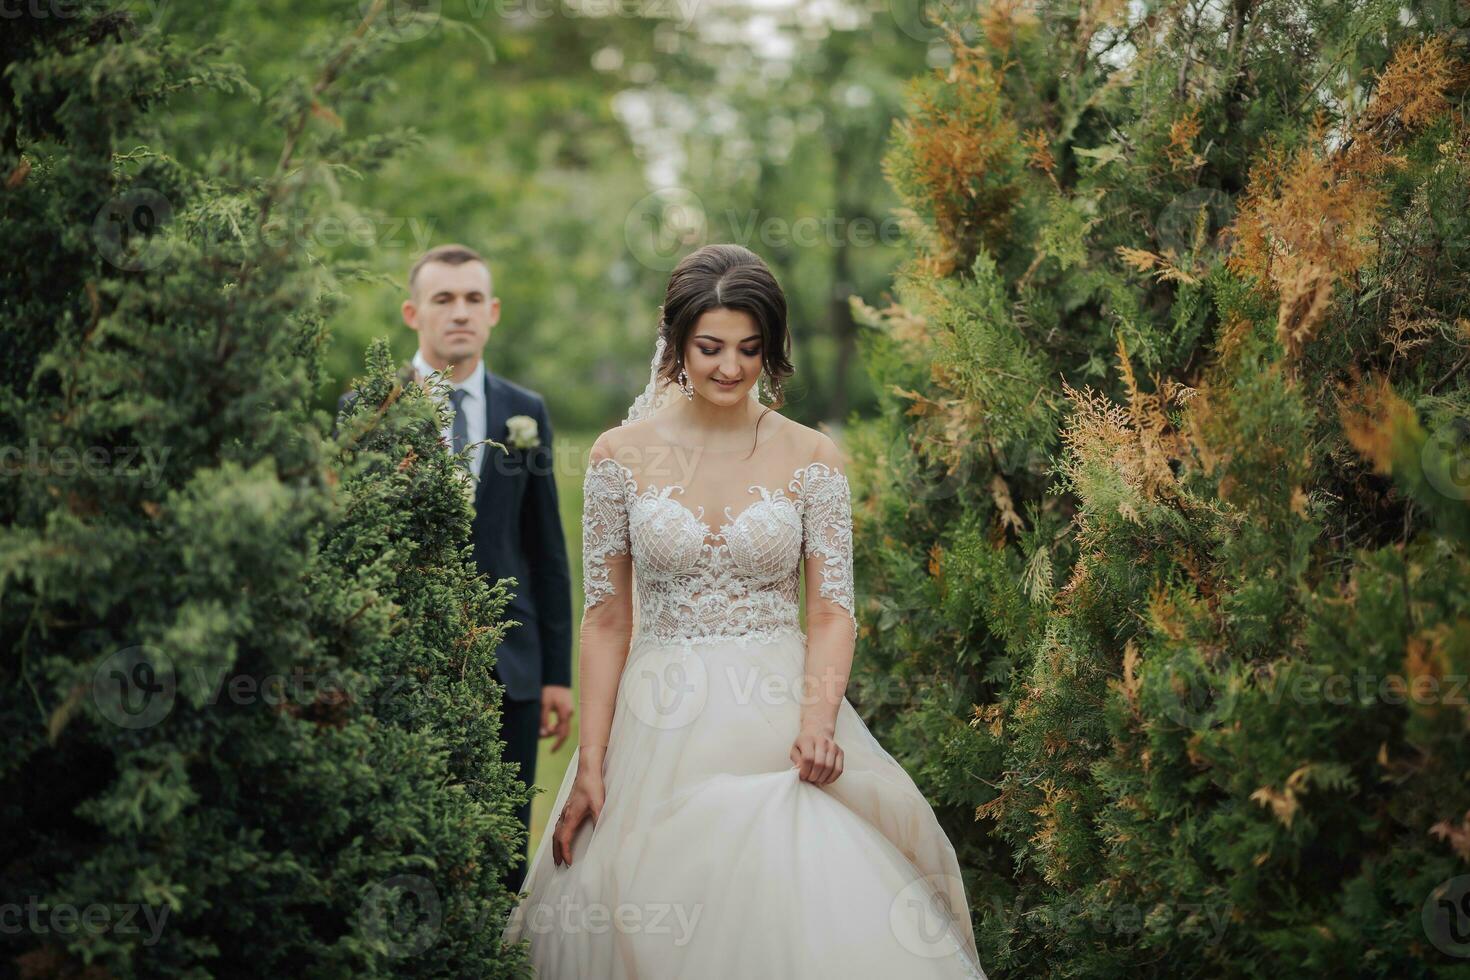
(727, 813)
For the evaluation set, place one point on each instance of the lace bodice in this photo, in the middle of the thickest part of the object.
(693, 584)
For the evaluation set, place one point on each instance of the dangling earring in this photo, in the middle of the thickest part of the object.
(763, 388)
(684, 384)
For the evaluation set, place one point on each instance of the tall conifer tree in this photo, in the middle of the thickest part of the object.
(249, 722)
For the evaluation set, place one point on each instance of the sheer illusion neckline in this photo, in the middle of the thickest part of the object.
(730, 452)
(742, 585)
(768, 495)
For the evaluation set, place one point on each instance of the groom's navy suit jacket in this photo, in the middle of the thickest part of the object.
(517, 533)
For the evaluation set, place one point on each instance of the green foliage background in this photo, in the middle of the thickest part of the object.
(564, 142)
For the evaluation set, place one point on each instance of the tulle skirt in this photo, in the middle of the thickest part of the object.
(713, 859)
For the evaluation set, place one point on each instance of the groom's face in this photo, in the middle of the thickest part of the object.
(452, 310)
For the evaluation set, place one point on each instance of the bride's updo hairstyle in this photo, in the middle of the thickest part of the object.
(727, 277)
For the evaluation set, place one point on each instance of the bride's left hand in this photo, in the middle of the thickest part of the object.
(817, 758)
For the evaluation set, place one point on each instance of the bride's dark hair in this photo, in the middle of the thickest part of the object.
(727, 277)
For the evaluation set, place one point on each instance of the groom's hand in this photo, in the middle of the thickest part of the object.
(556, 700)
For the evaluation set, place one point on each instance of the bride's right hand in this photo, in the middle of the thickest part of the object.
(585, 800)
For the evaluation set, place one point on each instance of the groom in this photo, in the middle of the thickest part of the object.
(517, 526)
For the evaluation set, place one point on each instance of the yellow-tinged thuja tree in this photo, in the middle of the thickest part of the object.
(1164, 531)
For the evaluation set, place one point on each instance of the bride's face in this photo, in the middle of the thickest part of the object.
(724, 346)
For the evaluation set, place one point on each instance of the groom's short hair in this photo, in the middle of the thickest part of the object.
(449, 255)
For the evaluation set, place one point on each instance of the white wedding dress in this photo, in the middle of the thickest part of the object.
(711, 858)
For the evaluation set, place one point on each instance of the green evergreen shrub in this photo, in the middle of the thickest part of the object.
(249, 723)
(1163, 530)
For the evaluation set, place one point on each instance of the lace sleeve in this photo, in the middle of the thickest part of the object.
(604, 528)
(826, 534)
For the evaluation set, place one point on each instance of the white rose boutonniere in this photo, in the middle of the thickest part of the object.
(522, 432)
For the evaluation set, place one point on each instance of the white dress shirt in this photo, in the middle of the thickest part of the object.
(473, 404)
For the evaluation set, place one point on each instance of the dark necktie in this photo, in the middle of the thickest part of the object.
(460, 431)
